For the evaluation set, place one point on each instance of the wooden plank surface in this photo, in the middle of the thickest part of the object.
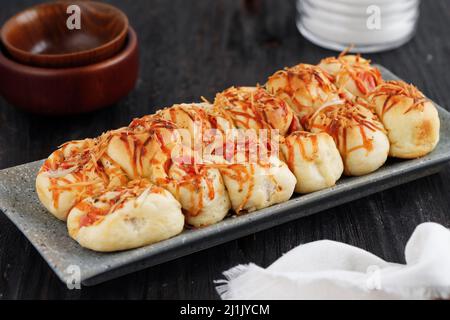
(196, 48)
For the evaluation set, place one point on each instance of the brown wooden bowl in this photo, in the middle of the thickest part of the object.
(39, 35)
(66, 91)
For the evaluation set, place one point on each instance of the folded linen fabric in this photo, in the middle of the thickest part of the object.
(332, 270)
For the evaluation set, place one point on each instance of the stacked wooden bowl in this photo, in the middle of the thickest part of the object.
(51, 65)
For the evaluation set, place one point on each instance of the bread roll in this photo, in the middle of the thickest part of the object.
(411, 120)
(192, 121)
(116, 176)
(199, 188)
(257, 185)
(203, 195)
(125, 217)
(78, 169)
(314, 159)
(177, 167)
(358, 134)
(128, 146)
(126, 149)
(352, 73)
(303, 87)
(254, 108)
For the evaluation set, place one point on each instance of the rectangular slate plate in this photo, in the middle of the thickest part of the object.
(19, 202)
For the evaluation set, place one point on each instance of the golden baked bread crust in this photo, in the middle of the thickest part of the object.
(411, 120)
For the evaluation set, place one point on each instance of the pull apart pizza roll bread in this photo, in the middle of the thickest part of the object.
(174, 166)
(125, 217)
(254, 177)
(253, 173)
(255, 108)
(352, 73)
(125, 148)
(129, 146)
(77, 170)
(411, 120)
(251, 183)
(358, 134)
(314, 159)
(254, 186)
(202, 191)
(191, 118)
(303, 87)
(116, 176)
(201, 127)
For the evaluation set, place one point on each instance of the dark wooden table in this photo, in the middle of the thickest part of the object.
(199, 47)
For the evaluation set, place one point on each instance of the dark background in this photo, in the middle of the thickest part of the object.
(198, 47)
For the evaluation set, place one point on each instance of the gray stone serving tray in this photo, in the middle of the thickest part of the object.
(18, 200)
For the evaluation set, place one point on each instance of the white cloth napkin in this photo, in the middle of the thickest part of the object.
(332, 270)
